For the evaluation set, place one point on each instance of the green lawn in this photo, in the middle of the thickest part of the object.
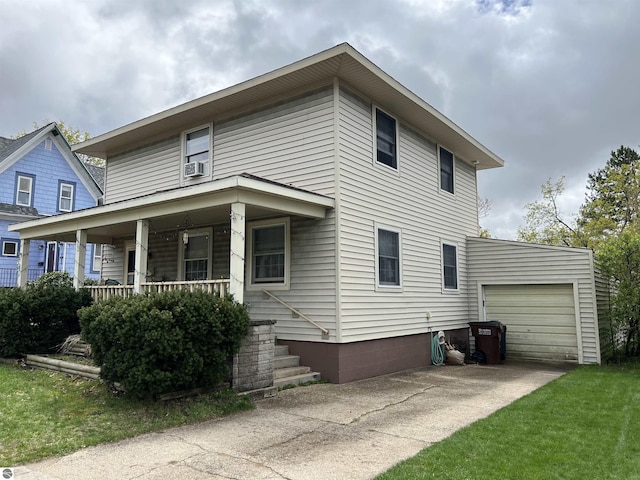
(585, 425)
(43, 413)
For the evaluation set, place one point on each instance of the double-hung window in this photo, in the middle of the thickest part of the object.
(386, 139)
(196, 255)
(24, 190)
(449, 266)
(446, 169)
(197, 152)
(388, 257)
(96, 258)
(65, 196)
(269, 258)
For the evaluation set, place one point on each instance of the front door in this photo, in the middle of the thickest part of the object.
(51, 260)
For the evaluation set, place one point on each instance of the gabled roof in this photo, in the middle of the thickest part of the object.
(11, 150)
(341, 61)
(96, 172)
(18, 210)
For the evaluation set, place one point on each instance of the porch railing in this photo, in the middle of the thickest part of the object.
(9, 276)
(103, 292)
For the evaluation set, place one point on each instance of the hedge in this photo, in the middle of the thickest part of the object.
(164, 342)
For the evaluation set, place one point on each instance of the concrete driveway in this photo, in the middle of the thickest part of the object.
(324, 431)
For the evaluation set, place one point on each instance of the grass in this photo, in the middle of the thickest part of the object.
(585, 425)
(43, 413)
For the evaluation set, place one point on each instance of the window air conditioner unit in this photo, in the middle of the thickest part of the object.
(194, 169)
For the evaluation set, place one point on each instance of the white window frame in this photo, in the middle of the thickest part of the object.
(446, 289)
(29, 192)
(453, 171)
(8, 241)
(181, 249)
(251, 227)
(72, 191)
(388, 287)
(129, 246)
(183, 148)
(96, 258)
(389, 168)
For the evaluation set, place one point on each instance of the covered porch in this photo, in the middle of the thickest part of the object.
(165, 241)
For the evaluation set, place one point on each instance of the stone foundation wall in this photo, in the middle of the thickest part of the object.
(253, 365)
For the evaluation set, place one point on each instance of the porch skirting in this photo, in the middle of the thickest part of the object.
(346, 362)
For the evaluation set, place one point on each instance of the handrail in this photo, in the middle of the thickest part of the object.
(325, 332)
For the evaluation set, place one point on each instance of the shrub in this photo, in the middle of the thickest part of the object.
(39, 318)
(163, 342)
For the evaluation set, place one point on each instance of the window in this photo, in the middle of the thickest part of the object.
(9, 247)
(196, 255)
(65, 196)
(446, 169)
(450, 266)
(386, 139)
(130, 263)
(197, 146)
(96, 258)
(388, 254)
(269, 253)
(24, 190)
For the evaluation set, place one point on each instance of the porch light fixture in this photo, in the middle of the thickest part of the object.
(185, 237)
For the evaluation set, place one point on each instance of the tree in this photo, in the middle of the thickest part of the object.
(484, 207)
(613, 197)
(72, 136)
(546, 224)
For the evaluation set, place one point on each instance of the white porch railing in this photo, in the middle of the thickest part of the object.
(103, 292)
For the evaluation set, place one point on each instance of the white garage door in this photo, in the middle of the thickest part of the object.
(540, 320)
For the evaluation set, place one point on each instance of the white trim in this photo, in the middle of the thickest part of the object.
(457, 247)
(181, 247)
(129, 246)
(30, 191)
(285, 284)
(453, 166)
(72, 187)
(208, 164)
(374, 132)
(5, 242)
(387, 288)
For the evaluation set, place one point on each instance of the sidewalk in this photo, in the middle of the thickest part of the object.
(324, 431)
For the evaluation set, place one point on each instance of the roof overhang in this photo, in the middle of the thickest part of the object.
(199, 205)
(342, 62)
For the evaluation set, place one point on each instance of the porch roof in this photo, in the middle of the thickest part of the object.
(202, 204)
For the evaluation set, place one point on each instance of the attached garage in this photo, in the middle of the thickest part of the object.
(540, 320)
(545, 295)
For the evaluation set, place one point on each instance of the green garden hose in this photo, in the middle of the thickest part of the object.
(437, 350)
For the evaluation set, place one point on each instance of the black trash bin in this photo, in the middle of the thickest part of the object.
(491, 339)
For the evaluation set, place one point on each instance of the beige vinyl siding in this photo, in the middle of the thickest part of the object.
(409, 200)
(608, 337)
(501, 262)
(291, 143)
(150, 169)
(113, 262)
(313, 288)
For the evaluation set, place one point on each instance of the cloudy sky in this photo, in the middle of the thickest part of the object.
(550, 86)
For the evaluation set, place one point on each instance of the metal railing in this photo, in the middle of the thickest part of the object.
(325, 332)
(104, 292)
(9, 276)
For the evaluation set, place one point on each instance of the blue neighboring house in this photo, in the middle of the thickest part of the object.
(40, 176)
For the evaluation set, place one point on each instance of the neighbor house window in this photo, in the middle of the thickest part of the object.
(24, 190)
(386, 139)
(446, 169)
(450, 266)
(196, 254)
(388, 255)
(65, 196)
(9, 248)
(96, 258)
(269, 258)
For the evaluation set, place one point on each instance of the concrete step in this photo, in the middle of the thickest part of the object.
(290, 371)
(282, 350)
(284, 361)
(297, 379)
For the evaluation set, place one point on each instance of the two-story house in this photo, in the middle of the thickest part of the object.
(330, 198)
(41, 177)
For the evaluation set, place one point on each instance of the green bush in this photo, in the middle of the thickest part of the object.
(164, 342)
(39, 318)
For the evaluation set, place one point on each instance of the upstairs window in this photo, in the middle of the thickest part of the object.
(65, 196)
(388, 253)
(24, 190)
(197, 146)
(446, 169)
(450, 266)
(386, 140)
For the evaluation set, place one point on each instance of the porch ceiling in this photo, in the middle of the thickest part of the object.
(191, 207)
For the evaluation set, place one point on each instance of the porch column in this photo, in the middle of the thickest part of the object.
(81, 257)
(142, 249)
(23, 263)
(237, 252)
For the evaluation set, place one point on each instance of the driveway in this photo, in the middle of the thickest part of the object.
(324, 431)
